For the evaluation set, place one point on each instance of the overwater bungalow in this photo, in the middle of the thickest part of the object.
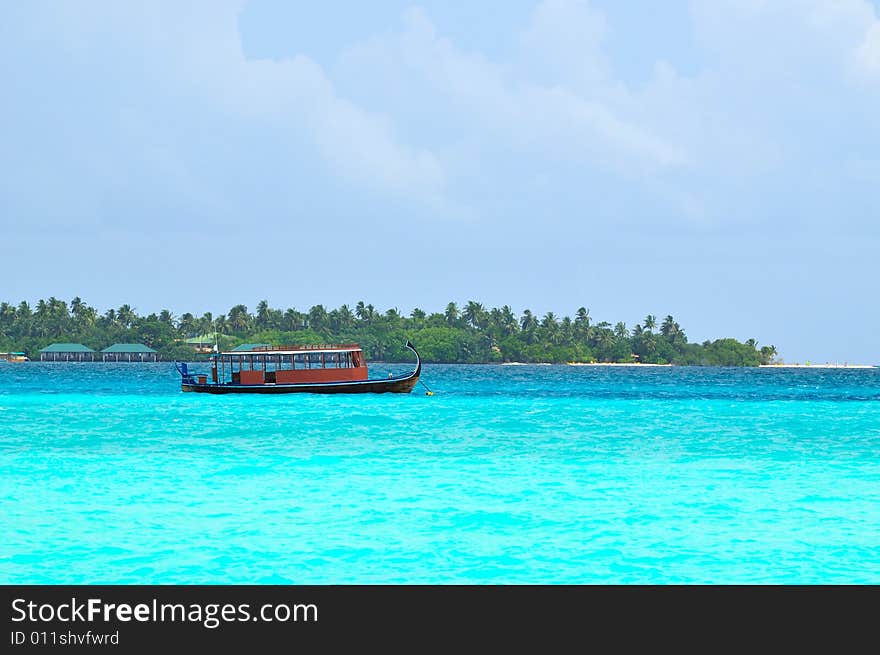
(129, 352)
(67, 352)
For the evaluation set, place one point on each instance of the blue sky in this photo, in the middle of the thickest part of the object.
(719, 161)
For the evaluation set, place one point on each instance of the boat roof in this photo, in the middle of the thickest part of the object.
(297, 349)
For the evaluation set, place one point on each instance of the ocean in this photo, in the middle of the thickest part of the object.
(526, 474)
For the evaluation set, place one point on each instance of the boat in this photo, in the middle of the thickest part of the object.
(328, 368)
(15, 358)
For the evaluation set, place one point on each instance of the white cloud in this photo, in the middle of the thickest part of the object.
(868, 54)
(566, 39)
(193, 54)
(766, 104)
(551, 119)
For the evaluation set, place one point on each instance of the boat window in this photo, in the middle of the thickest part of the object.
(315, 360)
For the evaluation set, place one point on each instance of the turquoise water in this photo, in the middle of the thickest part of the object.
(538, 474)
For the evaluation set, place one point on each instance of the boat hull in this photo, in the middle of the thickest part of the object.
(366, 386)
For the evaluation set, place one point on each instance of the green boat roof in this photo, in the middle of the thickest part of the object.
(249, 346)
(128, 348)
(66, 348)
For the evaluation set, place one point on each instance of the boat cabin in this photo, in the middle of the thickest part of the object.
(270, 365)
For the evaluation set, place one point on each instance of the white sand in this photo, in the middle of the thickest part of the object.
(826, 365)
(637, 364)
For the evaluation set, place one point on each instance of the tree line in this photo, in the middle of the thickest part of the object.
(470, 333)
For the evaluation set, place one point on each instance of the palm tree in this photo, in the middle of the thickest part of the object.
(125, 316)
(187, 324)
(60, 317)
(318, 318)
(767, 354)
(509, 324)
(620, 330)
(206, 323)
(567, 329)
(451, 314)
(474, 314)
(672, 331)
(393, 316)
(7, 318)
(221, 325)
(41, 318)
(529, 322)
(24, 315)
(650, 322)
(346, 318)
(292, 320)
(262, 317)
(76, 309)
(551, 327)
(549, 320)
(239, 319)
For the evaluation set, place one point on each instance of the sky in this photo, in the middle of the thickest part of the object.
(714, 160)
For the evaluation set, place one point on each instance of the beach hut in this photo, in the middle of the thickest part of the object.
(67, 352)
(129, 352)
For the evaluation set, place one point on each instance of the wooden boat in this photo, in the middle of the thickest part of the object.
(334, 368)
(14, 358)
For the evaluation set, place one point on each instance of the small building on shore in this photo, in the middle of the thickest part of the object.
(203, 343)
(67, 352)
(129, 352)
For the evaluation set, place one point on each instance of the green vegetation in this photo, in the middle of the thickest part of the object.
(471, 334)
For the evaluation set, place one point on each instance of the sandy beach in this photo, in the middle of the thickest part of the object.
(634, 364)
(584, 364)
(826, 365)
